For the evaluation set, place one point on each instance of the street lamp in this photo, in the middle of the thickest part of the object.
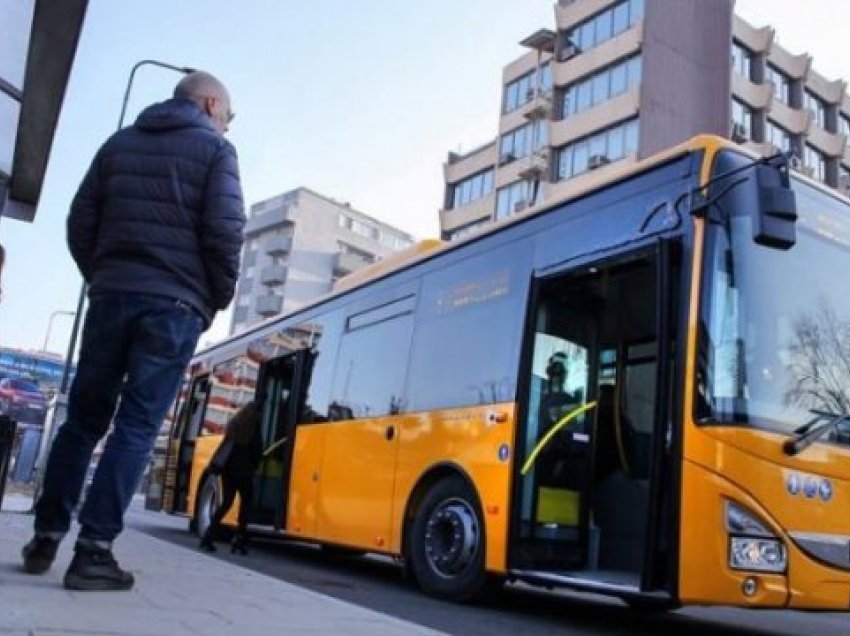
(75, 329)
(50, 325)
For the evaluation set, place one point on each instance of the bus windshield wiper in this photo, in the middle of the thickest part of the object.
(809, 433)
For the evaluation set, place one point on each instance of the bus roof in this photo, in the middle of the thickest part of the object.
(429, 248)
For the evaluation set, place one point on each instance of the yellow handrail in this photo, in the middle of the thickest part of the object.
(558, 426)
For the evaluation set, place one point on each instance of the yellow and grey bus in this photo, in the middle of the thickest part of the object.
(641, 390)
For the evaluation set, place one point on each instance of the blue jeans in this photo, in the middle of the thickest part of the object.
(134, 351)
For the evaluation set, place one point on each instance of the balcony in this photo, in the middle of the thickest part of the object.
(271, 219)
(269, 305)
(279, 246)
(273, 275)
(346, 262)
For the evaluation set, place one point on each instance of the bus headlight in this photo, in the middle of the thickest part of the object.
(751, 545)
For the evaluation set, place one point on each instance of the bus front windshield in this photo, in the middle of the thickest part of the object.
(774, 334)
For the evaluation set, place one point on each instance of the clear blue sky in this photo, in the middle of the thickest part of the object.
(357, 100)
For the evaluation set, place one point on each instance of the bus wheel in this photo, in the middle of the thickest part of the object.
(446, 543)
(209, 496)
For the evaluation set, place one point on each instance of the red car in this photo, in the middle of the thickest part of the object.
(22, 400)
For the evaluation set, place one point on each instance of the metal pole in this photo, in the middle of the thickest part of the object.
(50, 326)
(72, 345)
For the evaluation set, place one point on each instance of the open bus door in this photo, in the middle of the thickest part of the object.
(593, 486)
(181, 446)
(281, 391)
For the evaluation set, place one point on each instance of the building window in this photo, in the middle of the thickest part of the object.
(816, 107)
(778, 136)
(608, 145)
(364, 230)
(844, 126)
(343, 221)
(523, 141)
(816, 162)
(741, 60)
(602, 86)
(519, 92)
(244, 300)
(742, 115)
(394, 242)
(604, 26)
(511, 199)
(240, 314)
(465, 230)
(473, 188)
(781, 84)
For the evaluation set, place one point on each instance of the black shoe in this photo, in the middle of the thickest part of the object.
(96, 570)
(240, 545)
(38, 554)
(207, 542)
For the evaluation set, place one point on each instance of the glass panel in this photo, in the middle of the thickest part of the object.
(511, 92)
(588, 35)
(521, 141)
(580, 156)
(584, 95)
(775, 340)
(9, 111)
(542, 134)
(618, 79)
(604, 26)
(476, 188)
(565, 163)
(570, 101)
(616, 143)
(14, 39)
(369, 379)
(621, 18)
(598, 144)
(632, 137)
(636, 11)
(503, 200)
(488, 182)
(600, 88)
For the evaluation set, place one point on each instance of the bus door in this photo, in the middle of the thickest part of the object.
(591, 442)
(181, 451)
(281, 398)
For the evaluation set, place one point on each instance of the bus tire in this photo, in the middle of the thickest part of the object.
(446, 542)
(208, 499)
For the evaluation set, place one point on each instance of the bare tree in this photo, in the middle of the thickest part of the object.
(819, 365)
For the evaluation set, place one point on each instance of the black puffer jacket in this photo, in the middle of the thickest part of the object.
(160, 211)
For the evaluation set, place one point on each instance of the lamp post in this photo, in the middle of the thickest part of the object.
(75, 329)
(50, 326)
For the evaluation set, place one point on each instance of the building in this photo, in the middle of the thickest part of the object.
(38, 43)
(296, 245)
(605, 87)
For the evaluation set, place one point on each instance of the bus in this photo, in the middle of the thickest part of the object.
(641, 391)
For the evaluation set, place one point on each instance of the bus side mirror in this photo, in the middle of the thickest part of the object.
(775, 216)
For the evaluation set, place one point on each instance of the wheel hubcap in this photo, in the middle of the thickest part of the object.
(452, 537)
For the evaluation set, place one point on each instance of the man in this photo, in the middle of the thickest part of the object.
(156, 230)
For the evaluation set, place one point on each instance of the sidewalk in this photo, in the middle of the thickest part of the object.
(177, 591)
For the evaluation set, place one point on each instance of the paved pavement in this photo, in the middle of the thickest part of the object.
(178, 591)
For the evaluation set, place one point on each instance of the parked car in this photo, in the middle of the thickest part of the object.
(22, 400)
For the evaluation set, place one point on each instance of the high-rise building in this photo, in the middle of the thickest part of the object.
(618, 80)
(297, 245)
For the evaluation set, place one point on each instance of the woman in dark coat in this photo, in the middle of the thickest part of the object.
(236, 459)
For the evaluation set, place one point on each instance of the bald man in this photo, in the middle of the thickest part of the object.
(156, 230)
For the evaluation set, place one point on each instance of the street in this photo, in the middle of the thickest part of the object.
(378, 585)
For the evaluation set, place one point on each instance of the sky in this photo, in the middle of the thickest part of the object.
(360, 101)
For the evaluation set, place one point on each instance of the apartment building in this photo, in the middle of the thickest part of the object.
(297, 245)
(619, 80)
